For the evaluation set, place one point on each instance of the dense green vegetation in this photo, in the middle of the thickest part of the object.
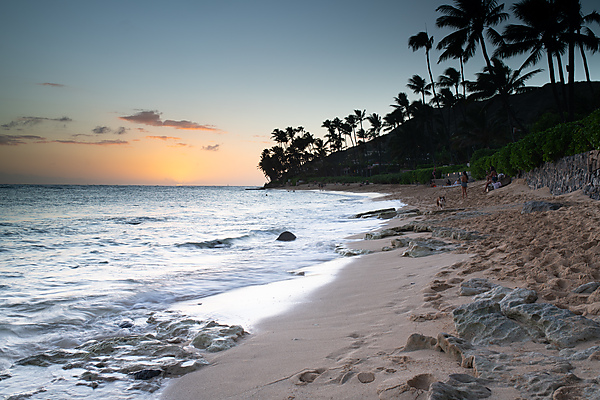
(493, 119)
(544, 146)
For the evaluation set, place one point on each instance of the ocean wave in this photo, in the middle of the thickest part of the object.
(136, 220)
(213, 244)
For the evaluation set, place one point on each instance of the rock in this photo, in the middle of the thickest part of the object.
(459, 387)
(184, 367)
(475, 286)
(517, 297)
(286, 237)
(381, 234)
(539, 206)
(218, 337)
(404, 211)
(146, 374)
(417, 250)
(400, 242)
(543, 384)
(561, 327)
(377, 213)
(416, 341)
(425, 247)
(482, 322)
(587, 288)
(126, 324)
(496, 294)
(457, 348)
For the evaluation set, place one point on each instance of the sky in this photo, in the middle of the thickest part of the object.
(188, 92)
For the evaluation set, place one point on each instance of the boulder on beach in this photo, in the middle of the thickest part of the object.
(286, 237)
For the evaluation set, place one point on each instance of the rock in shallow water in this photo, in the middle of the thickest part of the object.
(146, 374)
(286, 237)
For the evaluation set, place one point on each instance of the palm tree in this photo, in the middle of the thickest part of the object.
(402, 103)
(280, 137)
(539, 32)
(393, 119)
(418, 85)
(422, 40)
(352, 122)
(360, 117)
(333, 139)
(501, 80)
(375, 130)
(573, 21)
(450, 79)
(470, 19)
(454, 50)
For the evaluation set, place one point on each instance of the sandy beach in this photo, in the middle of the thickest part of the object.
(386, 327)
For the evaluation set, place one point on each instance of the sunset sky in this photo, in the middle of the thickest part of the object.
(188, 92)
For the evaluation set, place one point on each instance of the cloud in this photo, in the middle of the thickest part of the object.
(101, 130)
(211, 148)
(14, 140)
(163, 137)
(100, 143)
(121, 130)
(51, 84)
(152, 118)
(29, 121)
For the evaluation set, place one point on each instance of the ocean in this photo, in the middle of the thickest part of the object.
(110, 291)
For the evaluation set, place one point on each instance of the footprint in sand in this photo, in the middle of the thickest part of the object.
(309, 376)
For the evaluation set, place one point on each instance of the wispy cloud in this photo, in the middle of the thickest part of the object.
(14, 140)
(99, 130)
(214, 147)
(153, 118)
(163, 137)
(30, 121)
(51, 84)
(99, 143)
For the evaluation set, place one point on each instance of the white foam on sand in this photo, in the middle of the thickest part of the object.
(249, 305)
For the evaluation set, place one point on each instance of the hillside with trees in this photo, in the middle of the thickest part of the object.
(455, 117)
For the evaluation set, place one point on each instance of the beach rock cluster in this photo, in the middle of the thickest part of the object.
(492, 329)
(166, 346)
(415, 227)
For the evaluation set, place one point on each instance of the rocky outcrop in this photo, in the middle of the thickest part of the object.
(539, 206)
(385, 213)
(503, 317)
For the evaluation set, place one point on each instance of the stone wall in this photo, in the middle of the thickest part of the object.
(581, 171)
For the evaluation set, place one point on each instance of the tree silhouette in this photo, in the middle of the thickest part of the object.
(539, 32)
(470, 19)
(422, 40)
(419, 86)
(503, 81)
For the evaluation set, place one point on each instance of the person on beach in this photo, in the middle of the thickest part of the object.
(464, 178)
(491, 178)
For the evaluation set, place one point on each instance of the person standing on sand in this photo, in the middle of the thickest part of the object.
(464, 178)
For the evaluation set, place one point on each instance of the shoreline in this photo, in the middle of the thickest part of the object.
(350, 338)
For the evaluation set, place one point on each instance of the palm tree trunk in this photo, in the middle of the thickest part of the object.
(437, 100)
(571, 95)
(554, 88)
(586, 69)
(563, 84)
(484, 51)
